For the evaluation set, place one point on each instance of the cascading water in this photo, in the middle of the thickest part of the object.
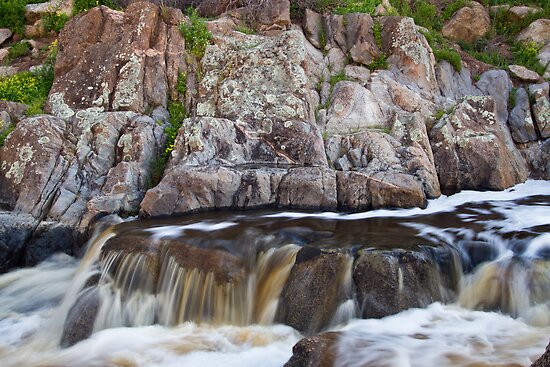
(207, 289)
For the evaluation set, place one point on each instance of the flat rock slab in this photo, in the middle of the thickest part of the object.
(524, 74)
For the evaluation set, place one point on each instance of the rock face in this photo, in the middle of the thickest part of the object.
(117, 61)
(471, 151)
(69, 171)
(468, 24)
(409, 55)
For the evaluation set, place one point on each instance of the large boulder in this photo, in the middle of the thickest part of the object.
(314, 289)
(468, 23)
(360, 38)
(70, 171)
(472, 150)
(390, 281)
(117, 61)
(538, 31)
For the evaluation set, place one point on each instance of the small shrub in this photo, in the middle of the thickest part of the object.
(12, 14)
(245, 29)
(341, 76)
(525, 54)
(196, 35)
(452, 8)
(54, 22)
(377, 31)
(451, 56)
(425, 14)
(177, 114)
(380, 62)
(83, 5)
(30, 87)
(181, 86)
(357, 6)
(19, 49)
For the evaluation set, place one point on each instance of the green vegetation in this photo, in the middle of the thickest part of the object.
(5, 134)
(196, 35)
(245, 29)
(54, 22)
(424, 13)
(12, 14)
(452, 8)
(18, 49)
(354, 6)
(512, 97)
(339, 77)
(442, 50)
(30, 87)
(177, 114)
(83, 5)
(379, 62)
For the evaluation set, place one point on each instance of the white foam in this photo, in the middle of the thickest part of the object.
(439, 205)
(177, 231)
(440, 335)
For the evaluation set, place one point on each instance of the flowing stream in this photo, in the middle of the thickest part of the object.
(206, 289)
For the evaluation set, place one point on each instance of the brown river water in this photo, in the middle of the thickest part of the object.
(499, 317)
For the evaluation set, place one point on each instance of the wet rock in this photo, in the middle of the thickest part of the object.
(497, 84)
(186, 189)
(538, 31)
(520, 121)
(409, 55)
(360, 38)
(5, 34)
(524, 74)
(390, 281)
(541, 107)
(117, 61)
(50, 238)
(468, 23)
(544, 360)
(471, 149)
(314, 289)
(315, 351)
(352, 109)
(79, 324)
(15, 231)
